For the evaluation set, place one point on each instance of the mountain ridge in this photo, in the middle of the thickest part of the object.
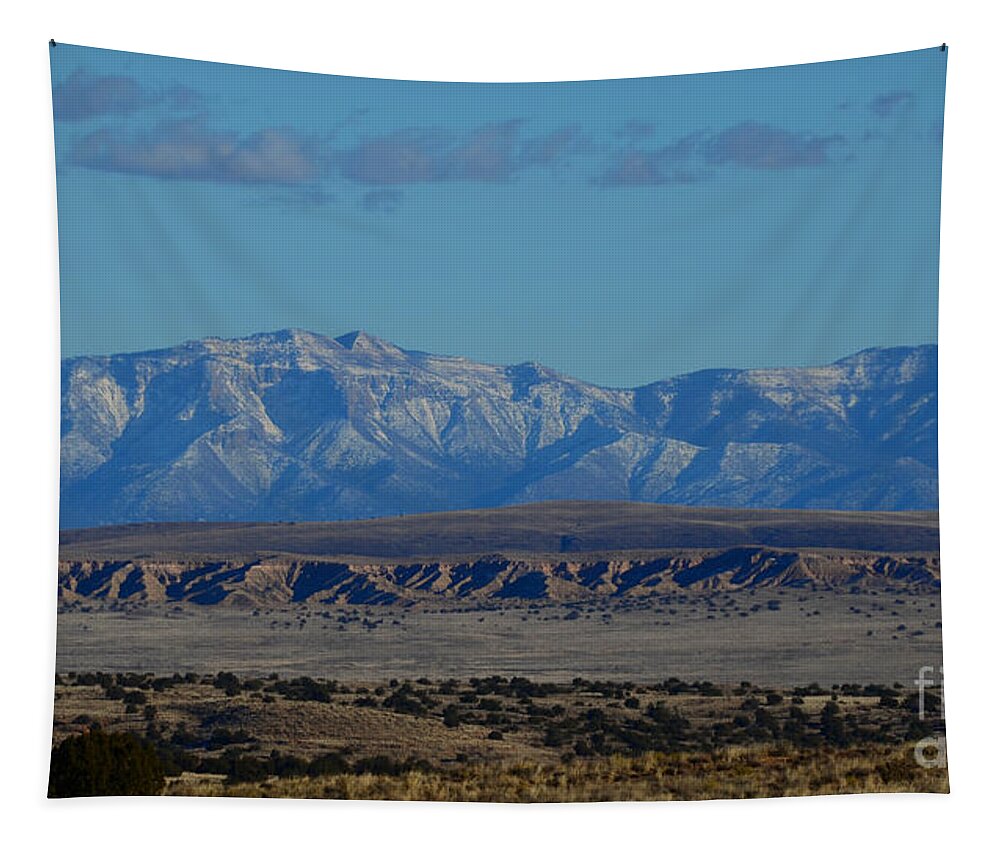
(284, 580)
(292, 425)
(556, 551)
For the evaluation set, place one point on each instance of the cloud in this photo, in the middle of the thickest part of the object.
(180, 149)
(404, 156)
(187, 150)
(83, 95)
(276, 156)
(885, 105)
(691, 158)
(555, 148)
(490, 153)
(499, 151)
(183, 98)
(421, 155)
(635, 168)
(676, 162)
(761, 146)
(638, 168)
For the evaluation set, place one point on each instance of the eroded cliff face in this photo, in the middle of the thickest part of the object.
(485, 579)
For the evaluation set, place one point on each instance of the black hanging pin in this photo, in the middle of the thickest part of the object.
(52, 42)
(944, 47)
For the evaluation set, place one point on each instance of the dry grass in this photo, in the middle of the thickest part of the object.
(730, 773)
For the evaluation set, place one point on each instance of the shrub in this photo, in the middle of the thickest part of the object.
(223, 737)
(328, 763)
(247, 769)
(305, 689)
(99, 763)
(832, 725)
(405, 702)
(227, 682)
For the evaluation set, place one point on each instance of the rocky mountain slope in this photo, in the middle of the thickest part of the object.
(295, 426)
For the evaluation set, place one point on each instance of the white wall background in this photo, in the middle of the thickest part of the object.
(510, 40)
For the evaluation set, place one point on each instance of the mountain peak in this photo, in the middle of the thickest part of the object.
(294, 425)
(297, 337)
(361, 341)
(309, 342)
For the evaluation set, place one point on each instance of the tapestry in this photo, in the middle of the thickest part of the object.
(512, 442)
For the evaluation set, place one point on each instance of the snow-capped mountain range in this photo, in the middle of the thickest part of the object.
(293, 425)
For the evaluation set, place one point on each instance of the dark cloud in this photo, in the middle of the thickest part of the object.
(754, 145)
(84, 95)
(885, 105)
(187, 150)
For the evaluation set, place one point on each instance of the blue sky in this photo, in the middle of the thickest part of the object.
(620, 231)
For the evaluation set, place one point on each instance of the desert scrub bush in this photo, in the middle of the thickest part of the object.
(305, 689)
(227, 682)
(99, 763)
(134, 698)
